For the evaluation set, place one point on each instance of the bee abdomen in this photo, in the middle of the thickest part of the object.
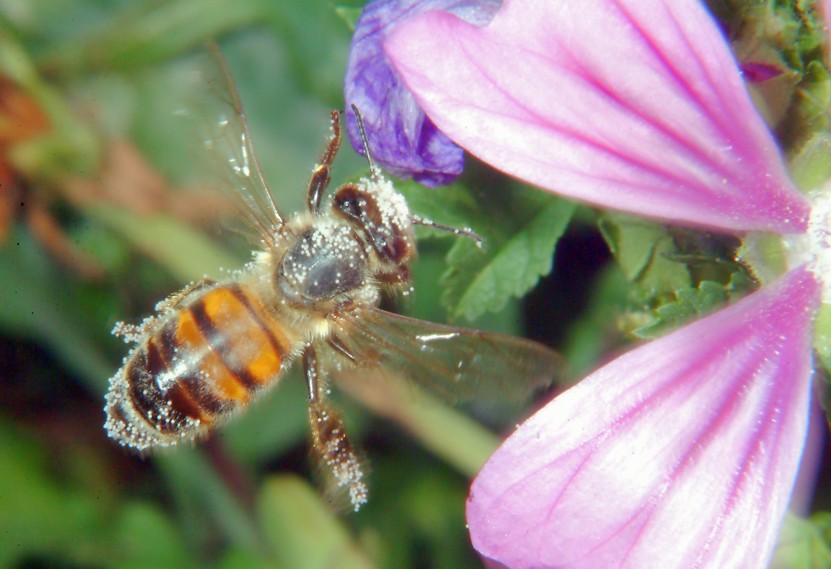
(203, 362)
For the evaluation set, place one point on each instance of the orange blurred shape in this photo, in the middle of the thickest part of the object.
(20, 118)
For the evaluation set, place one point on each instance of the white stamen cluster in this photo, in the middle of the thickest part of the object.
(814, 246)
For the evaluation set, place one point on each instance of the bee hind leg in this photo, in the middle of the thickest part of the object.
(330, 442)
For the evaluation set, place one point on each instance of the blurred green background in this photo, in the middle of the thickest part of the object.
(101, 217)
(99, 223)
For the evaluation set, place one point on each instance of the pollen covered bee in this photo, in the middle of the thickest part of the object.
(311, 294)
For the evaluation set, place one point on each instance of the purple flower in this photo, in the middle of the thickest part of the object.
(683, 452)
(403, 140)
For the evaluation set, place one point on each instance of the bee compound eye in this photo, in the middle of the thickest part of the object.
(352, 203)
(351, 207)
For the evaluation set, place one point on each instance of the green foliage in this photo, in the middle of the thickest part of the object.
(42, 304)
(153, 236)
(108, 74)
(811, 165)
(302, 532)
(433, 499)
(596, 333)
(643, 250)
(144, 536)
(690, 302)
(804, 543)
(69, 146)
(151, 32)
(678, 275)
(518, 248)
(789, 39)
(822, 345)
(27, 492)
(349, 15)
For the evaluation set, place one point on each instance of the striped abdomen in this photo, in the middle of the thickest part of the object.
(200, 363)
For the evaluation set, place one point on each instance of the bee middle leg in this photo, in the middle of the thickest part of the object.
(329, 439)
(321, 175)
(175, 300)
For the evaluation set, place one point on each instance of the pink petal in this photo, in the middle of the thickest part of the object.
(635, 105)
(681, 453)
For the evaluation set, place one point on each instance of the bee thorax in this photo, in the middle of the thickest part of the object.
(326, 261)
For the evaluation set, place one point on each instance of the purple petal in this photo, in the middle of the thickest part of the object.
(635, 105)
(401, 138)
(681, 453)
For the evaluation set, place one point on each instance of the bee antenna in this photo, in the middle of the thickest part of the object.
(373, 168)
(461, 232)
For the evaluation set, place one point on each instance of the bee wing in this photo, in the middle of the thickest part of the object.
(215, 112)
(456, 364)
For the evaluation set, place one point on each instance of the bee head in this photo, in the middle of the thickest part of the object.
(381, 217)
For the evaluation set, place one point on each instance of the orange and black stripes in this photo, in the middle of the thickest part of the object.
(205, 360)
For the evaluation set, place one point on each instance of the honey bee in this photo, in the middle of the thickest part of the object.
(311, 293)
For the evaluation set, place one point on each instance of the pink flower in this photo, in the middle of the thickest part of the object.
(683, 452)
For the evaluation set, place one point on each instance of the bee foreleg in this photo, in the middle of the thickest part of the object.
(329, 439)
(321, 175)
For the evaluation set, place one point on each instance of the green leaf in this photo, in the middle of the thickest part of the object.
(51, 311)
(520, 227)
(316, 43)
(43, 515)
(765, 255)
(302, 532)
(740, 284)
(453, 205)
(193, 255)
(433, 528)
(69, 146)
(680, 274)
(146, 537)
(689, 303)
(803, 543)
(212, 500)
(349, 15)
(822, 345)
(596, 333)
(811, 165)
(643, 250)
(445, 431)
(809, 113)
(245, 559)
(150, 32)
